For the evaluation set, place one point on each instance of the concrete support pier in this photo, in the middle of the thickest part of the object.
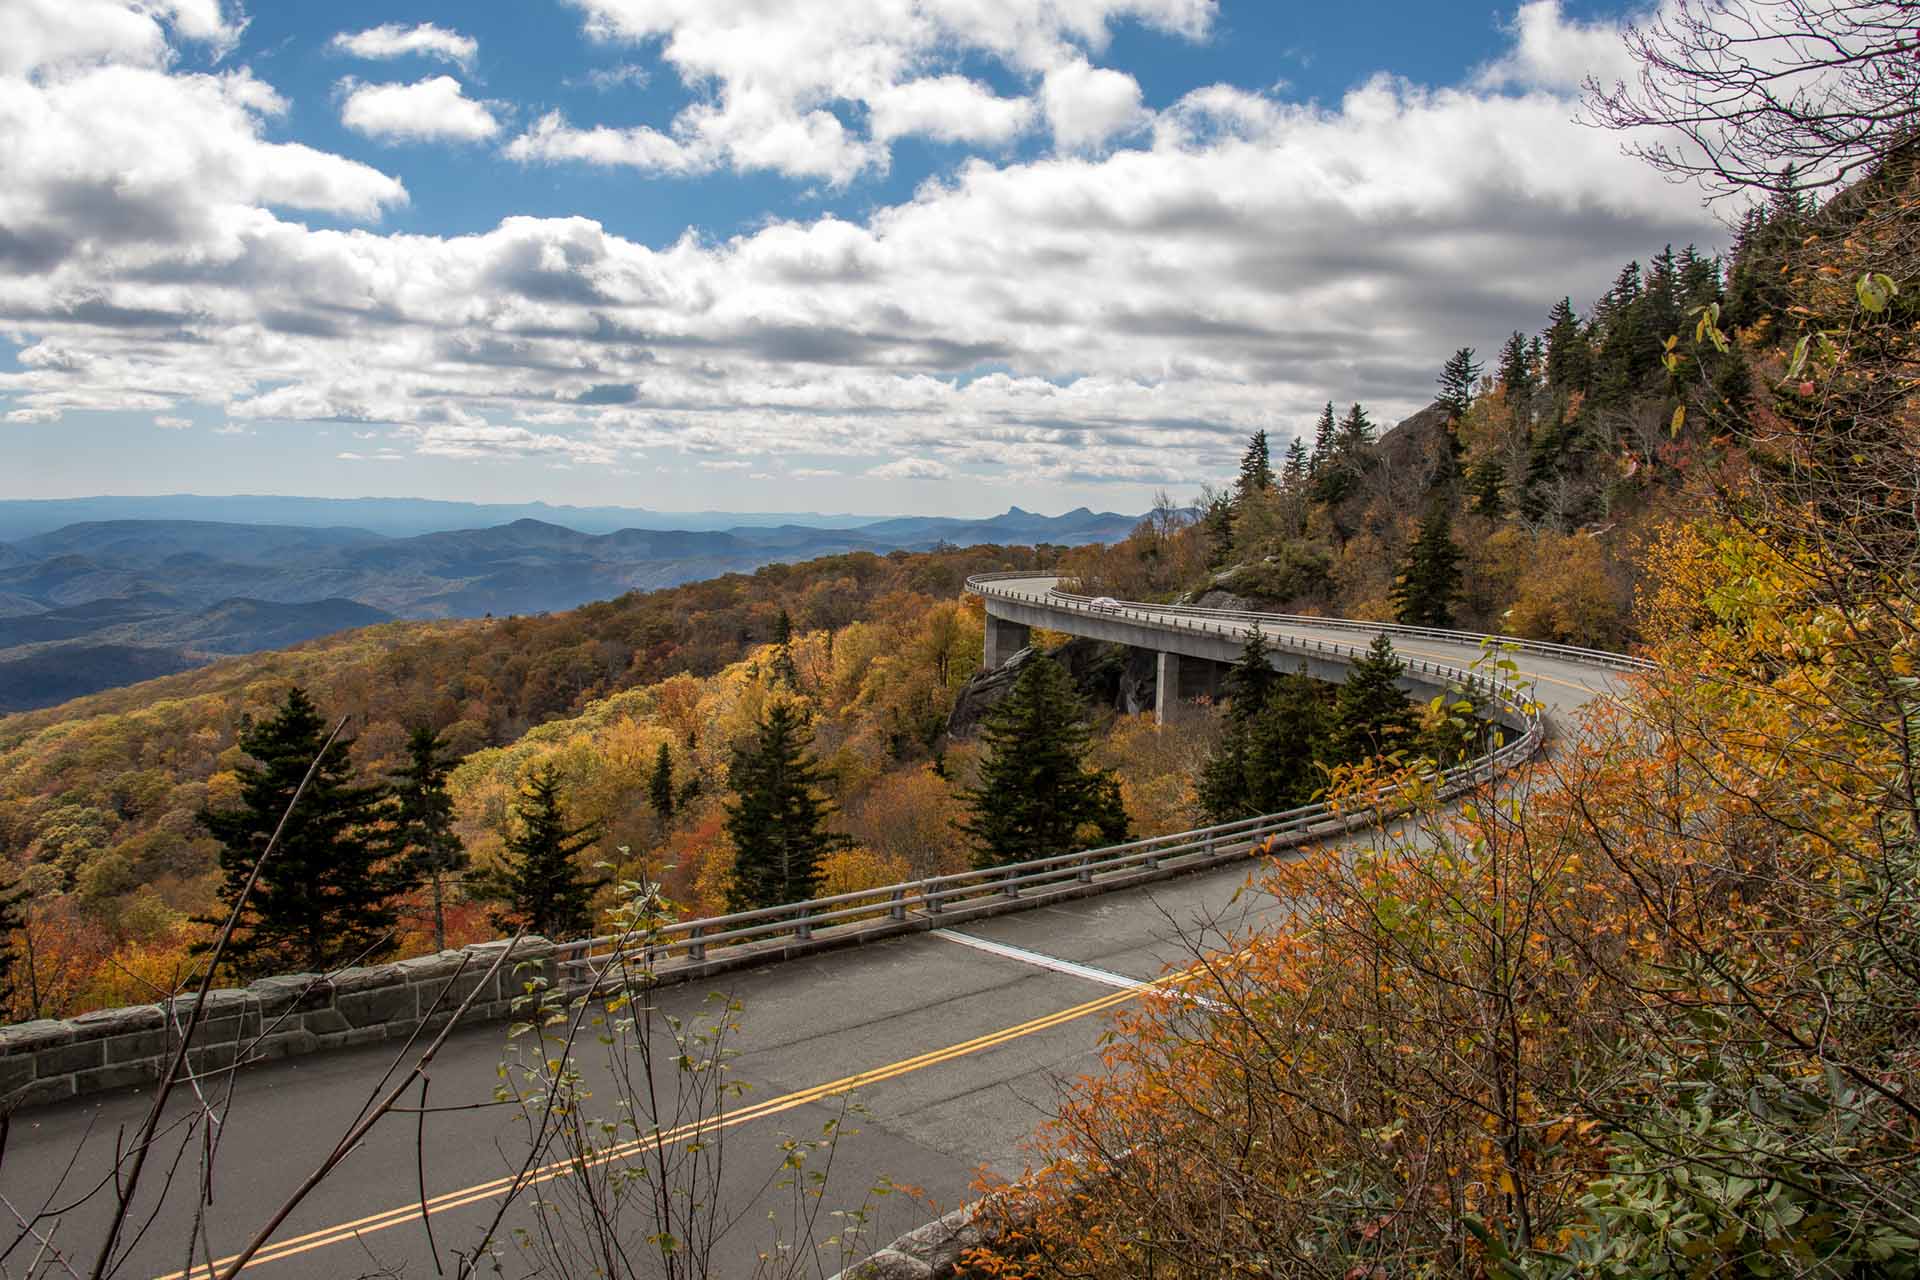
(1179, 682)
(1004, 639)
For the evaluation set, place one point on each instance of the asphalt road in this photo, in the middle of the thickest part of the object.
(957, 1046)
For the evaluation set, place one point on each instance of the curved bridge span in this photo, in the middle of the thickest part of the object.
(952, 1029)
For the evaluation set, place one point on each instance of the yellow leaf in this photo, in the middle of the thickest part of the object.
(1506, 1183)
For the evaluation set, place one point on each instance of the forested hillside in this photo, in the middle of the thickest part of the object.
(100, 798)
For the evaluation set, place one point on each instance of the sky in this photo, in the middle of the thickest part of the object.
(877, 256)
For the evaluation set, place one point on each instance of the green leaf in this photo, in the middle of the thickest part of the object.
(1799, 360)
(1875, 290)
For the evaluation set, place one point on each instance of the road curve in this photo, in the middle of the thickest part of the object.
(953, 1042)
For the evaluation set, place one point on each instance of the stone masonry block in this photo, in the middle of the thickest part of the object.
(347, 1039)
(106, 1024)
(68, 1058)
(375, 977)
(296, 992)
(32, 1037)
(116, 1077)
(376, 1006)
(15, 1072)
(139, 1046)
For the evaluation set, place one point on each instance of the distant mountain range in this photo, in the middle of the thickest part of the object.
(390, 517)
(101, 603)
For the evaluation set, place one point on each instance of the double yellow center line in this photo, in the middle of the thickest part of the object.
(449, 1200)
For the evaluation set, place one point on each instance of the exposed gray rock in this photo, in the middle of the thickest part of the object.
(1221, 598)
(1107, 675)
(889, 1265)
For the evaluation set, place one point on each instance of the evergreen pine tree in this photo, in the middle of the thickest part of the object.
(1323, 434)
(1486, 486)
(1037, 794)
(1424, 594)
(1251, 679)
(1285, 743)
(421, 837)
(1222, 785)
(1293, 472)
(1370, 715)
(12, 920)
(1219, 530)
(537, 882)
(1458, 377)
(778, 818)
(1569, 361)
(1516, 371)
(783, 669)
(1256, 468)
(660, 786)
(1349, 455)
(325, 897)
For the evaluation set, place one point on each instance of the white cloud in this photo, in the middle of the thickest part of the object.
(170, 422)
(606, 79)
(1122, 315)
(1553, 51)
(392, 40)
(46, 35)
(770, 77)
(948, 108)
(911, 469)
(814, 473)
(430, 109)
(1087, 105)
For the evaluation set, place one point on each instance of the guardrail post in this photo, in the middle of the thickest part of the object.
(1083, 871)
(897, 905)
(803, 928)
(696, 949)
(1009, 888)
(930, 900)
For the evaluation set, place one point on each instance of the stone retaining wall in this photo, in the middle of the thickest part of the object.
(276, 1017)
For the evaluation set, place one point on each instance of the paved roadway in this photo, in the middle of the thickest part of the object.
(960, 1043)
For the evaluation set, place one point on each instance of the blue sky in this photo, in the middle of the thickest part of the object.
(870, 255)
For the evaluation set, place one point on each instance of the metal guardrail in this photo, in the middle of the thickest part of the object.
(1545, 648)
(941, 900)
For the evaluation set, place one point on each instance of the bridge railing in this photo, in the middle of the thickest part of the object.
(1545, 648)
(937, 900)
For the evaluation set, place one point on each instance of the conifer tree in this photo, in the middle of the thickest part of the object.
(422, 840)
(1458, 377)
(1424, 594)
(538, 883)
(778, 817)
(325, 897)
(1350, 454)
(1323, 433)
(1371, 716)
(1256, 468)
(1286, 743)
(783, 669)
(1223, 785)
(12, 920)
(1486, 486)
(1569, 361)
(1251, 679)
(1293, 472)
(1516, 374)
(1219, 530)
(1037, 794)
(660, 786)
